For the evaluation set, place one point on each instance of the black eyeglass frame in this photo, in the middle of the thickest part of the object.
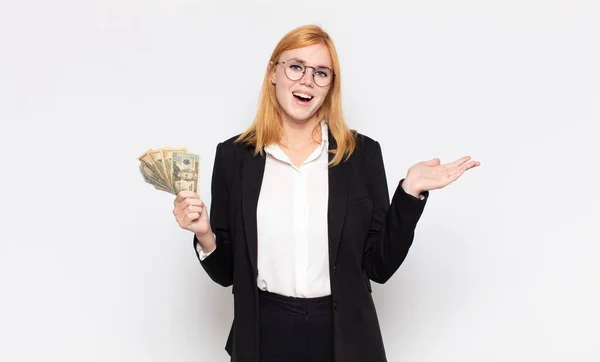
(304, 72)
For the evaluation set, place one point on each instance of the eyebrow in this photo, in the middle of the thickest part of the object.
(303, 62)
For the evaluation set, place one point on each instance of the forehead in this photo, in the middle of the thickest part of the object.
(312, 55)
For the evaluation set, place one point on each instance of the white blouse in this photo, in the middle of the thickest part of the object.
(291, 216)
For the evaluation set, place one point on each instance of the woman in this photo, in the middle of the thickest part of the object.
(301, 222)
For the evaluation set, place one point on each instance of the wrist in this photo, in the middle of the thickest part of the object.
(207, 241)
(410, 188)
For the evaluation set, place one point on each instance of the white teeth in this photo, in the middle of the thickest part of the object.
(302, 95)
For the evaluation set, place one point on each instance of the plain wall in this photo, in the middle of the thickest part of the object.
(93, 266)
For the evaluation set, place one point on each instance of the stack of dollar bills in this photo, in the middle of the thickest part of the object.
(171, 169)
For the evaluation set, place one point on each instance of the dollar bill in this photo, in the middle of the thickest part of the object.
(158, 158)
(171, 169)
(168, 157)
(186, 172)
(154, 180)
(149, 162)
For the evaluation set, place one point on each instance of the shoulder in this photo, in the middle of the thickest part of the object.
(229, 148)
(365, 141)
(230, 142)
(365, 145)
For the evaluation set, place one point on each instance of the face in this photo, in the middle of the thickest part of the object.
(186, 175)
(301, 99)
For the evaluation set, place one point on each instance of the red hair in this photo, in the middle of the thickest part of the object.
(266, 127)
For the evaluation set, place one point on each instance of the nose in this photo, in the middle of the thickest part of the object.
(307, 78)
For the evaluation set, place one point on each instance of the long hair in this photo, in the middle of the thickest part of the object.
(266, 127)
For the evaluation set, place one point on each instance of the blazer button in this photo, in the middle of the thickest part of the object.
(334, 269)
(335, 305)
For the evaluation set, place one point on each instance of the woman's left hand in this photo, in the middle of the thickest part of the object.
(431, 175)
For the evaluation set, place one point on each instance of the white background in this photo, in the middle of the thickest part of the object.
(93, 266)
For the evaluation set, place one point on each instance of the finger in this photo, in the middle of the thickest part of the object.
(183, 208)
(458, 171)
(185, 194)
(471, 165)
(193, 208)
(461, 160)
(191, 217)
(188, 202)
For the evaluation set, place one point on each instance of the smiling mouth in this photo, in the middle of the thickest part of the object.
(304, 98)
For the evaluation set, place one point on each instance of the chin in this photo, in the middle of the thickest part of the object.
(302, 114)
(303, 117)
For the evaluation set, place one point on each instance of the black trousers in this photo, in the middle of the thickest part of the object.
(295, 329)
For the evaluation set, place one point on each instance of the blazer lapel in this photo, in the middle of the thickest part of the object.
(252, 176)
(339, 178)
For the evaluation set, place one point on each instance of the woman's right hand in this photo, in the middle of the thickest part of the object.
(190, 212)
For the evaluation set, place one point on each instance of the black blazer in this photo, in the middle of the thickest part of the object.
(368, 240)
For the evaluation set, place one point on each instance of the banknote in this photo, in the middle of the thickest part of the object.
(157, 157)
(146, 159)
(171, 169)
(154, 180)
(186, 172)
(168, 157)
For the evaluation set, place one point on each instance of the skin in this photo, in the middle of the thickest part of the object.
(298, 122)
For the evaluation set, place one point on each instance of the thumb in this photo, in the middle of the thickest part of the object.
(432, 162)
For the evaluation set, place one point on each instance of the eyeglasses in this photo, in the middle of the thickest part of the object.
(295, 70)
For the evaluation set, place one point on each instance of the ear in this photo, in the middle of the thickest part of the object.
(272, 70)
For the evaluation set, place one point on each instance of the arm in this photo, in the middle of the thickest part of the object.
(218, 264)
(201, 254)
(392, 226)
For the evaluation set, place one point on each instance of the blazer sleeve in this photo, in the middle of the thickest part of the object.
(392, 228)
(219, 264)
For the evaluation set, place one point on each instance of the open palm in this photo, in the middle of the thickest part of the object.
(431, 175)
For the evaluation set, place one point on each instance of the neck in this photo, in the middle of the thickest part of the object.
(298, 134)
